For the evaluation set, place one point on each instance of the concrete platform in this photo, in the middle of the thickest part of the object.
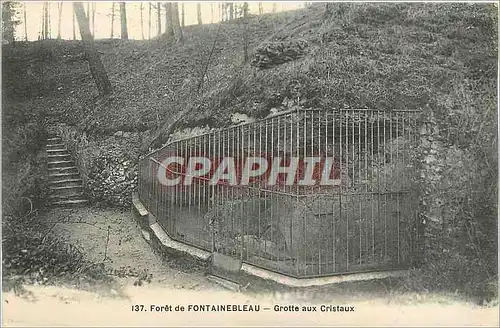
(154, 234)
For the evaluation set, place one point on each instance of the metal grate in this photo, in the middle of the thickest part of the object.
(365, 221)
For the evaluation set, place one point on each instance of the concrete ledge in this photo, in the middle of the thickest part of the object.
(146, 235)
(308, 282)
(225, 283)
(168, 242)
(154, 234)
(139, 207)
(139, 212)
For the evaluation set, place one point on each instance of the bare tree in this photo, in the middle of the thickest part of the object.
(169, 24)
(112, 18)
(142, 23)
(149, 20)
(46, 25)
(245, 33)
(179, 34)
(25, 23)
(198, 13)
(261, 8)
(73, 18)
(96, 67)
(9, 21)
(59, 7)
(183, 14)
(93, 17)
(158, 17)
(211, 13)
(123, 19)
(328, 9)
(195, 93)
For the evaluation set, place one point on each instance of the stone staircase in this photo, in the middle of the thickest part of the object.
(65, 184)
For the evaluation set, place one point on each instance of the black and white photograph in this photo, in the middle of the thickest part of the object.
(245, 164)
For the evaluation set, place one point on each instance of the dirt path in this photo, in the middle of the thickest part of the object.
(124, 248)
(176, 282)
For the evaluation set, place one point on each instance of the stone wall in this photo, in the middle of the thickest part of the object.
(108, 164)
(449, 179)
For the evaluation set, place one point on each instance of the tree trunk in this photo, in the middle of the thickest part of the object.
(158, 17)
(123, 18)
(183, 15)
(112, 18)
(261, 8)
(149, 20)
(73, 18)
(93, 18)
(177, 25)
(59, 7)
(45, 21)
(231, 11)
(274, 7)
(142, 24)
(328, 9)
(169, 24)
(211, 13)
(198, 13)
(96, 67)
(245, 35)
(7, 20)
(25, 24)
(49, 24)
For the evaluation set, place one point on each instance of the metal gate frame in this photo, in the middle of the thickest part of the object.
(361, 141)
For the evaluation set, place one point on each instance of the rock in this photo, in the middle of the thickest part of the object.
(118, 134)
(270, 54)
(241, 118)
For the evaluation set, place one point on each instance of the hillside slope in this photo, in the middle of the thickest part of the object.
(380, 56)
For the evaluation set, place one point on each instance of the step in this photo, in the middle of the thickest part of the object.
(69, 202)
(65, 190)
(61, 164)
(66, 183)
(63, 176)
(56, 146)
(58, 157)
(74, 196)
(63, 170)
(53, 152)
(53, 141)
(63, 187)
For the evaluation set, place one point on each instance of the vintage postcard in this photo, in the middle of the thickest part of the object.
(249, 163)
